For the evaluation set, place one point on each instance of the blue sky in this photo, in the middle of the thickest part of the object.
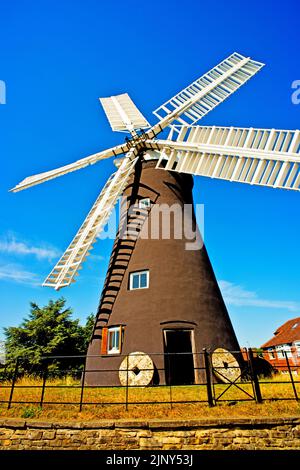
(57, 58)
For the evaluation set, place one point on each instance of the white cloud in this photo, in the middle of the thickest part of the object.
(15, 273)
(236, 295)
(12, 246)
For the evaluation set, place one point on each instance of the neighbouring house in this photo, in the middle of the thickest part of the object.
(284, 345)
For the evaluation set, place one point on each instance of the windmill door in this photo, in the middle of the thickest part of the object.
(179, 361)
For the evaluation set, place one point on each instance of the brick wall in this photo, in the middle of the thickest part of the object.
(267, 433)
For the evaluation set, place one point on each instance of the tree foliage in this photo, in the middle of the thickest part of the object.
(47, 331)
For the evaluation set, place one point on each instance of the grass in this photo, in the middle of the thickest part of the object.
(68, 390)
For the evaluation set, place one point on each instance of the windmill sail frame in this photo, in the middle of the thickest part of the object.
(266, 157)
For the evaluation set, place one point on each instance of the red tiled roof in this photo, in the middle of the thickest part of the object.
(285, 334)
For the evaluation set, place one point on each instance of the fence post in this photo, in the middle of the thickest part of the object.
(13, 384)
(82, 386)
(45, 373)
(258, 397)
(291, 375)
(126, 406)
(210, 399)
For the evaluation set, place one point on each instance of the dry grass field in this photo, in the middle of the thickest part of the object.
(68, 390)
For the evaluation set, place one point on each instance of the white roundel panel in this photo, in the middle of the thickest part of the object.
(136, 369)
(225, 366)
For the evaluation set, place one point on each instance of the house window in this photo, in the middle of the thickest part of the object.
(144, 203)
(139, 280)
(297, 346)
(282, 349)
(112, 339)
(279, 350)
(271, 353)
(288, 350)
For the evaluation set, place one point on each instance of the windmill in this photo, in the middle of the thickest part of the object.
(159, 297)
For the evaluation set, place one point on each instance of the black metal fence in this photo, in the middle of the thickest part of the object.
(218, 376)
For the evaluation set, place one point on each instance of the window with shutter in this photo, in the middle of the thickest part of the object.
(112, 339)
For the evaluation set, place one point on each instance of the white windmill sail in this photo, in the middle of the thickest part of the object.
(207, 92)
(266, 157)
(63, 170)
(122, 113)
(63, 273)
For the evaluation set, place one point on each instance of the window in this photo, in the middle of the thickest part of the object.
(297, 346)
(271, 353)
(279, 352)
(283, 348)
(139, 280)
(288, 350)
(144, 203)
(112, 339)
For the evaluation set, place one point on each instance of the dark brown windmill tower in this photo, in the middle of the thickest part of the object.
(160, 296)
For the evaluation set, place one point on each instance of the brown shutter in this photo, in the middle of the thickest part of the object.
(104, 341)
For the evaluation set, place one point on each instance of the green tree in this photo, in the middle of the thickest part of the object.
(88, 330)
(48, 331)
